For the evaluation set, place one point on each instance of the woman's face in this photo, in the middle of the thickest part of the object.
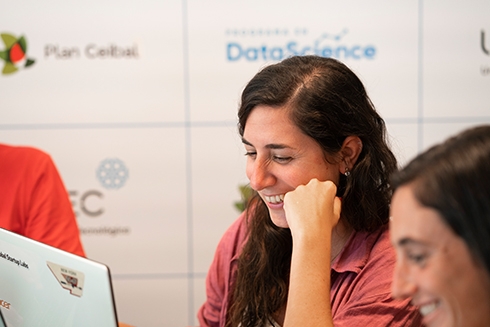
(280, 158)
(434, 267)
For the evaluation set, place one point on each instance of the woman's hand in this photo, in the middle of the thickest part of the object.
(312, 208)
(312, 211)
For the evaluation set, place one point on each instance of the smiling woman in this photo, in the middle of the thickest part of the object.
(441, 230)
(312, 248)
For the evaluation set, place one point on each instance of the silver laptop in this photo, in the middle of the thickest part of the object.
(44, 286)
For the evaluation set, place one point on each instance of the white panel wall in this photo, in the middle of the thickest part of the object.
(155, 85)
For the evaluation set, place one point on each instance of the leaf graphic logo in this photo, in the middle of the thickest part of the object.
(14, 54)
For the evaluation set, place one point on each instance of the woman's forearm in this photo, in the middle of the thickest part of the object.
(309, 286)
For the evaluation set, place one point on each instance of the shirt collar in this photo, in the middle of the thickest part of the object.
(355, 253)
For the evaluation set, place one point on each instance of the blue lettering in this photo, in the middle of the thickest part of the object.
(326, 52)
(264, 52)
(354, 51)
(276, 54)
(342, 49)
(306, 50)
(233, 55)
(369, 52)
(235, 52)
(251, 54)
(291, 47)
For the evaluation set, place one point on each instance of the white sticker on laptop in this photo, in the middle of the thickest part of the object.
(69, 279)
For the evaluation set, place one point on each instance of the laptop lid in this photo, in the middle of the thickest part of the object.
(43, 286)
(2, 322)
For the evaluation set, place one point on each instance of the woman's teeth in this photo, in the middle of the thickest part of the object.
(428, 308)
(274, 199)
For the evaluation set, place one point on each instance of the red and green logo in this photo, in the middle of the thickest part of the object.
(14, 54)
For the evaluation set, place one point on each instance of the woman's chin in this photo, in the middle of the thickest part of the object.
(279, 220)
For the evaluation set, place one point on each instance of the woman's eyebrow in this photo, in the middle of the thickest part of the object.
(244, 141)
(269, 146)
(407, 241)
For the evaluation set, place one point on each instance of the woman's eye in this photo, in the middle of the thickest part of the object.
(282, 159)
(418, 259)
(251, 154)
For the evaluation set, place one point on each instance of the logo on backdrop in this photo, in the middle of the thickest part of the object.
(485, 48)
(254, 45)
(86, 202)
(15, 54)
(91, 51)
(112, 174)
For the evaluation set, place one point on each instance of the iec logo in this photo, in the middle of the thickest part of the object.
(325, 45)
(14, 54)
(112, 173)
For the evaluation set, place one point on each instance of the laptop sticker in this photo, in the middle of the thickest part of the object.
(68, 278)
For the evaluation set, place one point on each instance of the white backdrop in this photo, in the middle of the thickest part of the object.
(154, 86)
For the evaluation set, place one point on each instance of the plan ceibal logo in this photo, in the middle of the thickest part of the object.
(15, 54)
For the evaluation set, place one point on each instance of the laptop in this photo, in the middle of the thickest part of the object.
(43, 286)
(2, 321)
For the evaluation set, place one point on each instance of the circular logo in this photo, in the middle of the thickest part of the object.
(112, 173)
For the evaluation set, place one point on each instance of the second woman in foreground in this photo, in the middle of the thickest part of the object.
(319, 163)
(441, 231)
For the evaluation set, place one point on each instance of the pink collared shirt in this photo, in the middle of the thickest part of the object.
(360, 276)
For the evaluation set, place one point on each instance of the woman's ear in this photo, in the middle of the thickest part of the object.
(350, 151)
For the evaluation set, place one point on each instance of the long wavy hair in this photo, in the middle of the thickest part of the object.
(327, 102)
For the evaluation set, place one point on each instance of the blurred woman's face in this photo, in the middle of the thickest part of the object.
(434, 267)
(280, 158)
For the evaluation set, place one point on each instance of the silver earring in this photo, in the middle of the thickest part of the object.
(347, 172)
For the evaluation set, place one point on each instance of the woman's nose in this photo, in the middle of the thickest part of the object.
(259, 174)
(402, 285)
